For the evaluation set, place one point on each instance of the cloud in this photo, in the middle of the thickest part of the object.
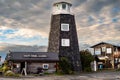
(25, 33)
(6, 47)
(98, 21)
(27, 22)
(22, 48)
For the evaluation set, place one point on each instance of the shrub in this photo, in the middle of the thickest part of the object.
(10, 74)
(65, 66)
(86, 59)
(1, 69)
(5, 68)
(87, 69)
(46, 73)
(58, 73)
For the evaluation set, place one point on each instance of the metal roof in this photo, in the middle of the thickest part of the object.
(115, 45)
(32, 56)
(62, 2)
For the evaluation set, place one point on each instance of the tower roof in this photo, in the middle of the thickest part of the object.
(62, 2)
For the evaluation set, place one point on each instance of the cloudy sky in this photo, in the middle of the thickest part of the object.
(25, 24)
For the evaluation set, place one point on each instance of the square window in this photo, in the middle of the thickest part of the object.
(45, 66)
(64, 27)
(109, 50)
(103, 49)
(97, 51)
(65, 42)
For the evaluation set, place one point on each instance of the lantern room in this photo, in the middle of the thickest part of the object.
(61, 8)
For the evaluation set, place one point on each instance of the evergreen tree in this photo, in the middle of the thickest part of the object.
(86, 59)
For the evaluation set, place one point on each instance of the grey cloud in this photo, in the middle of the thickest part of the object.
(35, 14)
(23, 48)
(20, 48)
(97, 5)
(78, 2)
(117, 27)
(26, 15)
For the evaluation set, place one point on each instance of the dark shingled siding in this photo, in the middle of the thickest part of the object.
(71, 52)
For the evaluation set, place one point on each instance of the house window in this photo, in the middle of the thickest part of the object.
(64, 27)
(97, 51)
(65, 42)
(109, 50)
(103, 49)
(45, 66)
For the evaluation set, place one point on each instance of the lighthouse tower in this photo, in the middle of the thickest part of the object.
(63, 36)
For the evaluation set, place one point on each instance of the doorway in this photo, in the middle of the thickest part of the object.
(22, 66)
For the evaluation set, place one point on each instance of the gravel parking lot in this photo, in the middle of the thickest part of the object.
(90, 76)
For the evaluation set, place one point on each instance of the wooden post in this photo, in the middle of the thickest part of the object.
(25, 68)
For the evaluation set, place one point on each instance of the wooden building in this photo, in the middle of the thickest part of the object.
(108, 55)
(31, 61)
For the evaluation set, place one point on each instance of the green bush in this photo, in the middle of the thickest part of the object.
(86, 59)
(58, 73)
(46, 73)
(65, 66)
(87, 69)
(1, 69)
(10, 74)
(5, 67)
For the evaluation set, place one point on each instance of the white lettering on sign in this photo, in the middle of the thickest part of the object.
(34, 56)
(27, 55)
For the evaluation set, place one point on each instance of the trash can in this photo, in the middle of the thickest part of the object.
(101, 66)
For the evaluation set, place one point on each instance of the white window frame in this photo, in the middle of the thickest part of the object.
(65, 42)
(109, 50)
(104, 49)
(64, 27)
(97, 51)
(45, 65)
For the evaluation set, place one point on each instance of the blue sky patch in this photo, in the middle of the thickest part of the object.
(116, 9)
(9, 31)
(114, 19)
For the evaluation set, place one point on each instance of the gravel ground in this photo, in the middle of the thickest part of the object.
(90, 76)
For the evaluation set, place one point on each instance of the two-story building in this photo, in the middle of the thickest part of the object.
(108, 55)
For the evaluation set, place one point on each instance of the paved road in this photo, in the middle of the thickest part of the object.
(90, 76)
